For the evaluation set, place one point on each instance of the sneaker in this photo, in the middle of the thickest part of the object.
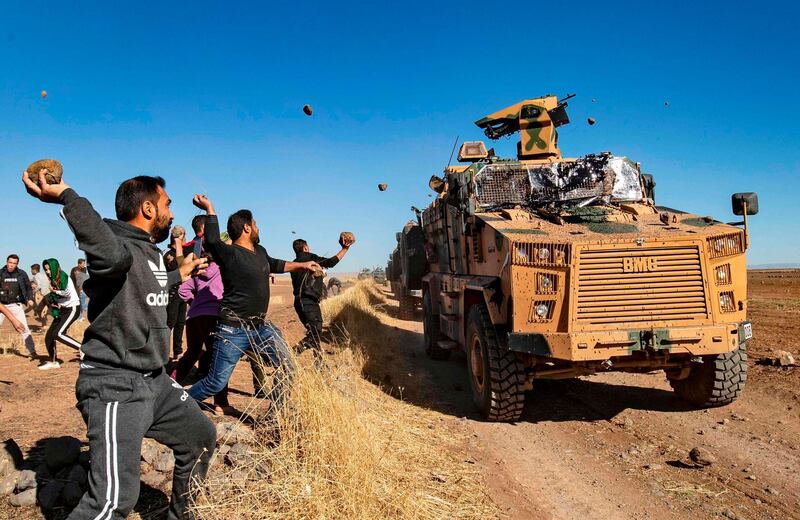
(50, 365)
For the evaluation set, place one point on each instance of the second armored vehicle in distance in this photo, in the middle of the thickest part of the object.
(406, 267)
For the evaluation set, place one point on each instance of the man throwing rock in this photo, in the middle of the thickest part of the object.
(243, 327)
(123, 391)
(308, 289)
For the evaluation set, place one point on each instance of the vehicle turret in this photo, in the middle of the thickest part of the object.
(536, 120)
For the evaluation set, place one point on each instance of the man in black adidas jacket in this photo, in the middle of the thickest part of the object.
(123, 391)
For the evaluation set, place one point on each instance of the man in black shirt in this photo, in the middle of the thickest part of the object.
(243, 328)
(176, 307)
(308, 288)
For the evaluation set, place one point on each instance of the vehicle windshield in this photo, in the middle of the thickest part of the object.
(590, 180)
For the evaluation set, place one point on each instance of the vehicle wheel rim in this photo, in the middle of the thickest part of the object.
(476, 363)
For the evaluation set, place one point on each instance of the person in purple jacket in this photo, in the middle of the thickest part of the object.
(203, 293)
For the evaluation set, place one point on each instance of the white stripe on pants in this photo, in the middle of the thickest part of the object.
(18, 310)
(74, 314)
(58, 331)
(112, 479)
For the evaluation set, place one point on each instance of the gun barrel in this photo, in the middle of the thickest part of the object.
(563, 101)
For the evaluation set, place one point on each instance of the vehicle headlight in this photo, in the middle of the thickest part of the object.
(723, 273)
(544, 254)
(726, 245)
(527, 253)
(542, 310)
(726, 302)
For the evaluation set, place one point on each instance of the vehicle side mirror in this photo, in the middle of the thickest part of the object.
(741, 200)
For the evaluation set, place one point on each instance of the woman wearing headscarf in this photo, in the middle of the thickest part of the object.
(65, 309)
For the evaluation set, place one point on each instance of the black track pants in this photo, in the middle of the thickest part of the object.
(58, 330)
(176, 320)
(311, 316)
(122, 407)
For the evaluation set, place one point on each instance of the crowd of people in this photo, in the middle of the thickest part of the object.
(140, 299)
(49, 291)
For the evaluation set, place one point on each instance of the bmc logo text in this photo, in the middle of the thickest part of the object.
(157, 299)
(639, 265)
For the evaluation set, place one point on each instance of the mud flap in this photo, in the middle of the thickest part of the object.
(535, 344)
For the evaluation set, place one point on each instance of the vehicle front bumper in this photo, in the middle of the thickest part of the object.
(601, 345)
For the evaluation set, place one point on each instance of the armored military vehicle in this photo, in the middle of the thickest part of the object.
(407, 265)
(379, 275)
(544, 267)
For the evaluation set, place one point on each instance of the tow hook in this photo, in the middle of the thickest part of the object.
(607, 364)
(696, 359)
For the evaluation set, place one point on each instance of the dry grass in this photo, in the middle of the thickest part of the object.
(347, 449)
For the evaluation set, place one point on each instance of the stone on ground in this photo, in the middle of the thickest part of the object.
(10, 457)
(8, 484)
(164, 462)
(784, 359)
(26, 480)
(702, 457)
(24, 499)
(231, 433)
(154, 479)
(150, 451)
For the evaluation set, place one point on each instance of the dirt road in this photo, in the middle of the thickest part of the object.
(615, 445)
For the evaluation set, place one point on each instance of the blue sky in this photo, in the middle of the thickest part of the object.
(209, 95)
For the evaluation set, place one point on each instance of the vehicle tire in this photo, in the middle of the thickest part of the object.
(718, 381)
(495, 374)
(432, 334)
(406, 311)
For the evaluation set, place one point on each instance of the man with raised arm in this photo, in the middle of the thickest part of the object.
(123, 391)
(308, 290)
(243, 327)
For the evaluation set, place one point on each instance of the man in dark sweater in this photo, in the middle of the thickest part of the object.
(123, 391)
(243, 327)
(15, 293)
(308, 288)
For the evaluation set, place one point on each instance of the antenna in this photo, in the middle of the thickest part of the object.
(455, 143)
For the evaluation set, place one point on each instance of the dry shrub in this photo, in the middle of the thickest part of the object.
(347, 450)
